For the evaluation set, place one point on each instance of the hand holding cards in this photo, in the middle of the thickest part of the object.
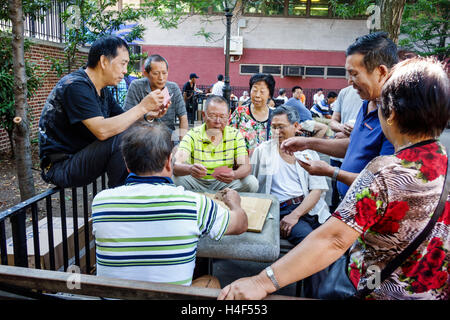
(302, 157)
(221, 170)
(167, 97)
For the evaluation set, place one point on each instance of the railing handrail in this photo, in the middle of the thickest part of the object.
(24, 204)
(95, 286)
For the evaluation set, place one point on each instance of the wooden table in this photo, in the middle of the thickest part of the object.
(251, 246)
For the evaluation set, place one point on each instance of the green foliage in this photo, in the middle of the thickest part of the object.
(425, 25)
(350, 9)
(29, 7)
(96, 19)
(34, 81)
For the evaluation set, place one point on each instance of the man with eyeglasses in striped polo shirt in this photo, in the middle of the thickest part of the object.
(148, 229)
(213, 156)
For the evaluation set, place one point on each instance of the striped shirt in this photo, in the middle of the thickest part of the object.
(148, 230)
(203, 151)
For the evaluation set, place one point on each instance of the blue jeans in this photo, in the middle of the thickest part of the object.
(305, 225)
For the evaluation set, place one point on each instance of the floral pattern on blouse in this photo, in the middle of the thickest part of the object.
(253, 131)
(389, 204)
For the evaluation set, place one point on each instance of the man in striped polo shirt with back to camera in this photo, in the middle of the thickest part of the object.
(148, 229)
(213, 156)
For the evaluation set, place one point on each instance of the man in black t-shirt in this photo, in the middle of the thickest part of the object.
(189, 90)
(81, 123)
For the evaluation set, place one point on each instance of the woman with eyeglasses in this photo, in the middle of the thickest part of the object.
(252, 119)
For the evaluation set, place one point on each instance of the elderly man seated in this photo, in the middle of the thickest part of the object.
(213, 156)
(301, 196)
(148, 229)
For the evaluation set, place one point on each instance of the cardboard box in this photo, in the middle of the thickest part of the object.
(58, 245)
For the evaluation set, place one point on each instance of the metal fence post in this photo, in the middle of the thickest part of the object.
(19, 239)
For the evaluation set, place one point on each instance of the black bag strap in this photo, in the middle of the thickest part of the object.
(408, 251)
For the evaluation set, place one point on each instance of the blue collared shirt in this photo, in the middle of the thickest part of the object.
(367, 141)
(134, 178)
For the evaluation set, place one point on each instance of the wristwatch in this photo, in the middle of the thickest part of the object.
(272, 278)
(148, 120)
(335, 173)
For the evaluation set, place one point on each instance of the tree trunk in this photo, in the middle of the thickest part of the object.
(21, 130)
(391, 17)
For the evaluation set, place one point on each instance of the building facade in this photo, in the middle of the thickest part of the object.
(297, 49)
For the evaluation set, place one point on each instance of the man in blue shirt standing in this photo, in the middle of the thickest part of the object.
(369, 60)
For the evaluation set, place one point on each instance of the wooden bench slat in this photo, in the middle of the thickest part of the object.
(56, 281)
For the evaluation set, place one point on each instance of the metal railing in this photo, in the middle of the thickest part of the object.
(308, 92)
(45, 25)
(42, 205)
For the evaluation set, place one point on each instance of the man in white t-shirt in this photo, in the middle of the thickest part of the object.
(244, 98)
(318, 96)
(148, 229)
(282, 95)
(301, 195)
(217, 88)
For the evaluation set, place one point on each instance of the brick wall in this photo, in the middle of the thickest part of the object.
(39, 53)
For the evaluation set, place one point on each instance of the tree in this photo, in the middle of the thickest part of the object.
(34, 81)
(96, 21)
(386, 14)
(425, 28)
(90, 19)
(21, 130)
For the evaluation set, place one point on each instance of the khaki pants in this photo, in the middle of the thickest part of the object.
(326, 121)
(248, 184)
(206, 281)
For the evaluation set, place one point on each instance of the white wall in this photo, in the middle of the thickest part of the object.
(262, 32)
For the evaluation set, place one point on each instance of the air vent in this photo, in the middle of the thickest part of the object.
(293, 71)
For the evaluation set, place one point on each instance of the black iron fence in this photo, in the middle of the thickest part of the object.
(308, 92)
(44, 25)
(60, 207)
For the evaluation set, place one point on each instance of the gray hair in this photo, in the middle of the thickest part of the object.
(215, 99)
(146, 147)
(154, 58)
(289, 111)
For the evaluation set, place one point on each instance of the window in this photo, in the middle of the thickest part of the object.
(291, 8)
(336, 72)
(264, 7)
(249, 68)
(315, 71)
(297, 8)
(273, 70)
(318, 8)
(294, 70)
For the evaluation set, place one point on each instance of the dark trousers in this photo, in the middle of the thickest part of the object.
(88, 164)
(335, 197)
(191, 108)
(305, 225)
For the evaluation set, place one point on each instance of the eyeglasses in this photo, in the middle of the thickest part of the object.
(281, 127)
(221, 117)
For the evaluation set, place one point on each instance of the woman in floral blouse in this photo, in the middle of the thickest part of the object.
(252, 120)
(389, 203)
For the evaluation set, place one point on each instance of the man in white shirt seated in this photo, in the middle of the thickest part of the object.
(244, 98)
(302, 197)
(318, 96)
(148, 229)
